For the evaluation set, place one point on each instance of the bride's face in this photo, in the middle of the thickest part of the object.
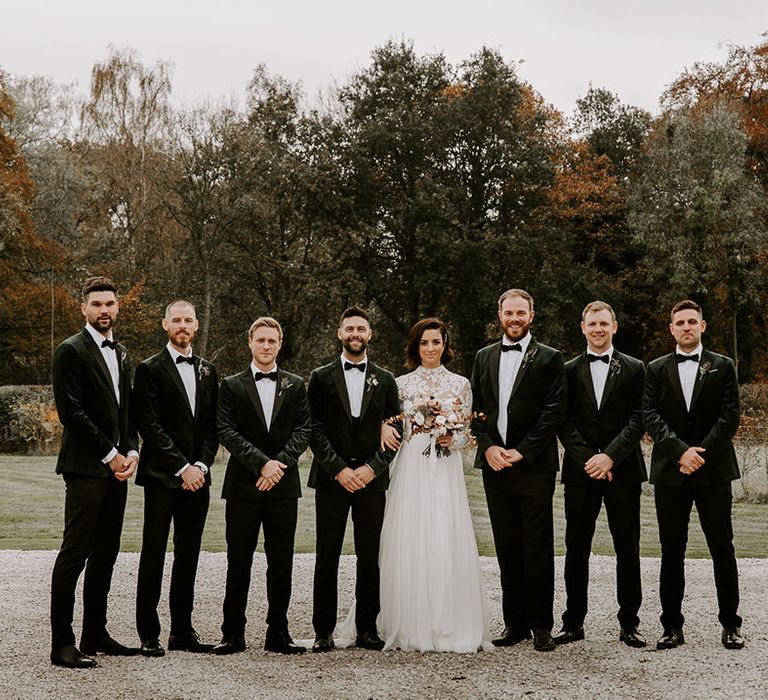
(431, 348)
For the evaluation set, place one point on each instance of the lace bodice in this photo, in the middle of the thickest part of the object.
(439, 384)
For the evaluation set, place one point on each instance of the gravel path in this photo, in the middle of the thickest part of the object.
(596, 668)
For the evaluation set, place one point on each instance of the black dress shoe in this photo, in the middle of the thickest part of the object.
(323, 643)
(369, 640)
(108, 646)
(671, 638)
(229, 645)
(188, 641)
(281, 643)
(732, 638)
(631, 637)
(152, 648)
(568, 635)
(71, 657)
(511, 636)
(542, 640)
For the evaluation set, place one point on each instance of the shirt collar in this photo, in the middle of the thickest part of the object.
(699, 349)
(175, 353)
(98, 338)
(255, 369)
(524, 342)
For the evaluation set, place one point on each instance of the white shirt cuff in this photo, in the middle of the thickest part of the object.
(110, 456)
(203, 467)
(181, 471)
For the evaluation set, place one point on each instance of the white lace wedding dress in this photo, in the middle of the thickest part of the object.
(432, 591)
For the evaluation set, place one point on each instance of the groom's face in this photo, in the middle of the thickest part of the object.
(354, 334)
(515, 316)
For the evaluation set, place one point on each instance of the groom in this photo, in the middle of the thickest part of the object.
(349, 399)
(518, 388)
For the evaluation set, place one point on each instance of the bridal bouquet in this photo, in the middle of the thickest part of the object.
(434, 417)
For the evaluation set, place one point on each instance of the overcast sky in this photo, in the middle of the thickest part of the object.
(632, 47)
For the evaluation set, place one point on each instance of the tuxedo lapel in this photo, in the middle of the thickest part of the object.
(250, 388)
(371, 381)
(585, 376)
(173, 374)
(95, 351)
(494, 358)
(280, 395)
(525, 362)
(341, 387)
(614, 369)
(670, 367)
(705, 367)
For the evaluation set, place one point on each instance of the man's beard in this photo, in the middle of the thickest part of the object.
(99, 324)
(351, 351)
(182, 340)
(520, 331)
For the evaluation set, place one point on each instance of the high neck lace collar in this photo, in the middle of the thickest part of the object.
(431, 371)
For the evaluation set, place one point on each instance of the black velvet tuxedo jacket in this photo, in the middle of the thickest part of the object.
(711, 423)
(615, 428)
(243, 431)
(535, 410)
(172, 436)
(338, 440)
(93, 421)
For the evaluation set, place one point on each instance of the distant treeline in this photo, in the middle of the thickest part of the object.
(415, 188)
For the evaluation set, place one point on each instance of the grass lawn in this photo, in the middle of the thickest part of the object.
(32, 507)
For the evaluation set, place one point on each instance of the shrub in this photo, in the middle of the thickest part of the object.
(29, 423)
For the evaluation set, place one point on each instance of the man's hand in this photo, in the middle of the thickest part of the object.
(192, 478)
(271, 473)
(691, 460)
(350, 480)
(498, 458)
(599, 466)
(390, 438)
(365, 474)
(126, 469)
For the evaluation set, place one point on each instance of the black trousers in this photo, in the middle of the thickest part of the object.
(244, 519)
(582, 507)
(187, 510)
(520, 507)
(93, 522)
(332, 508)
(673, 512)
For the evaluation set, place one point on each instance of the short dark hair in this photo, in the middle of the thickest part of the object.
(684, 305)
(98, 284)
(354, 311)
(412, 357)
(516, 293)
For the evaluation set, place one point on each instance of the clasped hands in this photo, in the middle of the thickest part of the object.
(355, 479)
(271, 473)
(691, 460)
(499, 458)
(123, 467)
(599, 466)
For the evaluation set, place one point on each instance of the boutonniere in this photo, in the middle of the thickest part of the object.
(203, 370)
(615, 366)
(530, 354)
(705, 368)
(371, 382)
(284, 384)
(122, 358)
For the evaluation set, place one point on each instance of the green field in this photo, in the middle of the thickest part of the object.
(32, 505)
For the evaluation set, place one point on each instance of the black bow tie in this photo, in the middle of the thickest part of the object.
(265, 375)
(352, 365)
(180, 359)
(682, 358)
(597, 358)
(109, 344)
(515, 346)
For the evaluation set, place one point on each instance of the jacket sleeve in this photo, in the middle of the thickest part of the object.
(631, 434)
(664, 438)
(227, 421)
(551, 415)
(301, 430)
(321, 446)
(380, 459)
(574, 444)
(146, 417)
(68, 394)
(480, 409)
(211, 437)
(727, 423)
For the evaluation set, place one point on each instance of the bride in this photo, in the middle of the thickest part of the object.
(432, 590)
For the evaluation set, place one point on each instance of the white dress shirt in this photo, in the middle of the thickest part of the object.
(509, 366)
(687, 373)
(267, 389)
(355, 381)
(187, 374)
(599, 372)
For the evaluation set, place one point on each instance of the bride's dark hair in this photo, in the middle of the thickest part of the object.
(412, 357)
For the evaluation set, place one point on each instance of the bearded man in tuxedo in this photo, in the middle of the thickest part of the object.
(518, 390)
(92, 389)
(603, 463)
(691, 410)
(175, 396)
